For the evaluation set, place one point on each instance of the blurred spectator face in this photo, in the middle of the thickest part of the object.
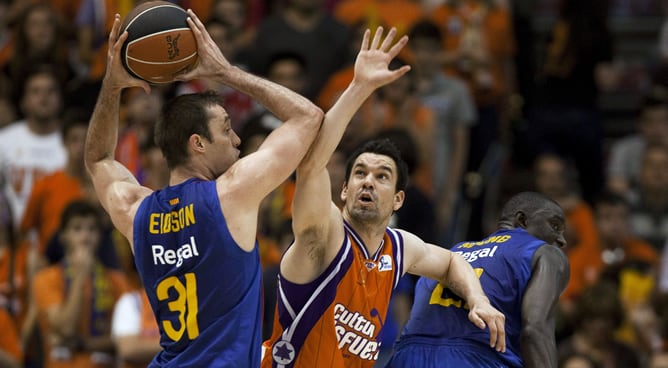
(231, 12)
(288, 73)
(612, 221)
(221, 36)
(654, 125)
(398, 91)
(144, 108)
(40, 29)
(654, 171)
(74, 142)
(81, 233)
(427, 53)
(550, 174)
(41, 100)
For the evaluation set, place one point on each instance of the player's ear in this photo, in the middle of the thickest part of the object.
(195, 142)
(399, 199)
(520, 219)
(344, 191)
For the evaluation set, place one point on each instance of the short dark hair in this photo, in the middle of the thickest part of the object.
(74, 117)
(281, 56)
(33, 71)
(610, 198)
(527, 202)
(182, 117)
(426, 29)
(385, 147)
(79, 208)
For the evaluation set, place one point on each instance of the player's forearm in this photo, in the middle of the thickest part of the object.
(334, 126)
(462, 279)
(539, 350)
(281, 101)
(103, 128)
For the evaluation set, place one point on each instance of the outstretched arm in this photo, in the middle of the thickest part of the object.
(254, 177)
(313, 213)
(455, 273)
(549, 278)
(117, 189)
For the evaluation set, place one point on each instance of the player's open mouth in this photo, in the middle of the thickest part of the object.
(365, 198)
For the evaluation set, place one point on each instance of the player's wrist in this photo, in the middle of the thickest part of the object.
(477, 299)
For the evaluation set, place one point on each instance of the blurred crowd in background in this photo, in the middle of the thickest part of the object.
(565, 97)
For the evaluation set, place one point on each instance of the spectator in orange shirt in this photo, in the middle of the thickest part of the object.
(75, 298)
(628, 261)
(52, 193)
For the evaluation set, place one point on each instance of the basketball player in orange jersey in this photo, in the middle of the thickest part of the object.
(194, 241)
(336, 279)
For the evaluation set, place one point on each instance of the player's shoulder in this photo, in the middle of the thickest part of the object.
(552, 254)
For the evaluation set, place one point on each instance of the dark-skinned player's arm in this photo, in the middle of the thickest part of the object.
(118, 190)
(452, 271)
(316, 222)
(549, 277)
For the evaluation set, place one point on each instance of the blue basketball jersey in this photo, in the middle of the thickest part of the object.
(440, 317)
(205, 291)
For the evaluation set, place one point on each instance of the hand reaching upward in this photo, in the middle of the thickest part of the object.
(372, 64)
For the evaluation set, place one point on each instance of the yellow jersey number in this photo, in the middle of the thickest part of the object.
(185, 305)
(445, 297)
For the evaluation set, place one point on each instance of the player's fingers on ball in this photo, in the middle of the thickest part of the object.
(121, 39)
(114, 29)
(198, 22)
(193, 27)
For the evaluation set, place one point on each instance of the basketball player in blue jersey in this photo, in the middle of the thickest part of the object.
(522, 270)
(194, 241)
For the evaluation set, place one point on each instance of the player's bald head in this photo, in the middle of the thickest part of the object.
(528, 203)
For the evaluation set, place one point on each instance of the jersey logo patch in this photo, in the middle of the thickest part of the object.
(385, 263)
(283, 352)
(173, 201)
(370, 265)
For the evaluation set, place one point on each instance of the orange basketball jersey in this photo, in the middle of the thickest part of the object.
(335, 320)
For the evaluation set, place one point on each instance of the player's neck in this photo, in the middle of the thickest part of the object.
(180, 174)
(371, 234)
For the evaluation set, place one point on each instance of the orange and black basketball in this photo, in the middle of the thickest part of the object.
(160, 44)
